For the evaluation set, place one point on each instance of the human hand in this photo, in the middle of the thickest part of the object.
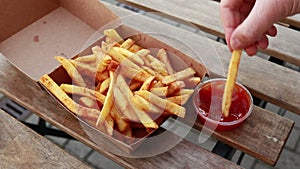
(247, 23)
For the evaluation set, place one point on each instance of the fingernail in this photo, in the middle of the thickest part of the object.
(235, 43)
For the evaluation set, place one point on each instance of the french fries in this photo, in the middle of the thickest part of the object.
(122, 85)
(231, 78)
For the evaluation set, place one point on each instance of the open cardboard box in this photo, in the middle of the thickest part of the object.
(34, 31)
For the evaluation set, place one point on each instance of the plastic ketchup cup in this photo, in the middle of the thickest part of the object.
(207, 102)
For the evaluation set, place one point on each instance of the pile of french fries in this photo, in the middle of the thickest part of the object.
(121, 84)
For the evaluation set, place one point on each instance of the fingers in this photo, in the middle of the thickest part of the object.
(251, 50)
(263, 42)
(272, 31)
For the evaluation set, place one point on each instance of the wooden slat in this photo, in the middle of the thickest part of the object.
(293, 20)
(23, 148)
(205, 15)
(31, 96)
(266, 80)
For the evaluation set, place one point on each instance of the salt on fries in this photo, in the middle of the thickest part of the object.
(121, 84)
(231, 78)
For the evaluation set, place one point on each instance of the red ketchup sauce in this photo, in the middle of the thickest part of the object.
(210, 103)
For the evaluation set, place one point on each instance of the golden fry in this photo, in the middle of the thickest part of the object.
(162, 56)
(181, 75)
(147, 83)
(71, 70)
(157, 65)
(135, 85)
(122, 59)
(180, 100)
(162, 103)
(82, 91)
(127, 43)
(131, 56)
(160, 91)
(231, 78)
(86, 59)
(134, 48)
(108, 102)
(79, 110)
(86, 101)
(104, 85)
(145, 105)
(192, 82)
(112, 33)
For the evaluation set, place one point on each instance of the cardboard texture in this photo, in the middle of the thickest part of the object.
(34, 31)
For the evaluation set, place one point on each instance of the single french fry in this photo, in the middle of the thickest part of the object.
(180, 100)
(145, 105)
(86, 101)
(86, 59)
(122, 59)
(112, 33)
(77, 109)
(71, 70)
(157, 65)
(160, 91)
(231, 78)
(127, 43)
(192, 82)
(163, 57)
(181, 75)
(184, 91)
(82, 91)
(147, 83)
(131, 56)
(108, 102)
(104, 85)
(162, 103)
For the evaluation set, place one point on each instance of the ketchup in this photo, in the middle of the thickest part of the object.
(210, 102)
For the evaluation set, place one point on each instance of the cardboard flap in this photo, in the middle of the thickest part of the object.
(65, 31)
(16, 14)
(93, 12)
(32, 50)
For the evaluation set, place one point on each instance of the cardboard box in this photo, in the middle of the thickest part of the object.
(34, 31)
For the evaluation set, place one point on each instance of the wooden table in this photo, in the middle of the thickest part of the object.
(263, 135)
(21, 147)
